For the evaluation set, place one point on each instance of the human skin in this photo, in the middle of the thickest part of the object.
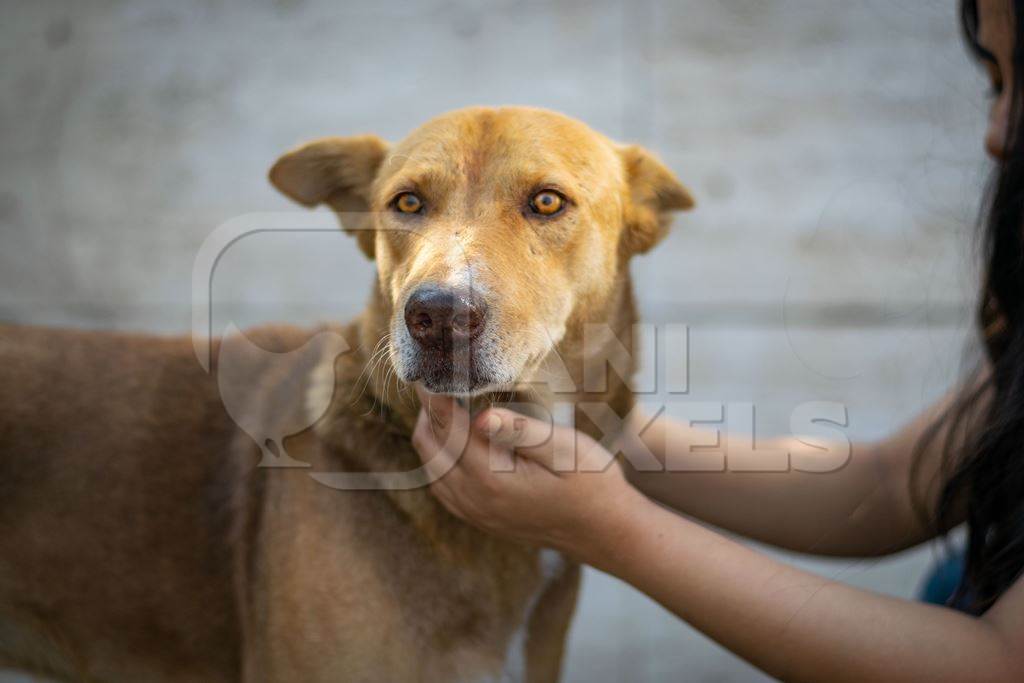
(792, 624)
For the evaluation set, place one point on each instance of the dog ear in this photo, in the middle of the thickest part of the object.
(654, 192)
(338, 172)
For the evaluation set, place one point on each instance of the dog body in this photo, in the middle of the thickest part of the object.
(142, 542)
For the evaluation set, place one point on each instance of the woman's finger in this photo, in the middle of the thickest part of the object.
(439, 407)
(551, 446)
(448, 421)
(437, 461)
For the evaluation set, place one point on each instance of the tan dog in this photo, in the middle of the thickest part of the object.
(141, 543)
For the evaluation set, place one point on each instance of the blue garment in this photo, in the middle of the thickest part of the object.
(944, 578)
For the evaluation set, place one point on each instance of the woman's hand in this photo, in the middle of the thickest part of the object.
(790, 623)
(523, 478)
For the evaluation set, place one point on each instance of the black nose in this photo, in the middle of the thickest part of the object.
(438, 316)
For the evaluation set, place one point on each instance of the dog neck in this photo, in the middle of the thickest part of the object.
(367, 402)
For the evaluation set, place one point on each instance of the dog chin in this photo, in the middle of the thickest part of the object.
(441, 381)
(439, 375)
(445, 383)
(457, 390)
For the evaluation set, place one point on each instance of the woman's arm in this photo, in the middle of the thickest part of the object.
(862, 508)
(793, 624)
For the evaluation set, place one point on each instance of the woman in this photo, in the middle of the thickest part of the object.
(961, 461)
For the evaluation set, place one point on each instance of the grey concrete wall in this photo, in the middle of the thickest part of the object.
(834, 149)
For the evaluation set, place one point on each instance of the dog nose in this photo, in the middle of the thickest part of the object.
(437, 315)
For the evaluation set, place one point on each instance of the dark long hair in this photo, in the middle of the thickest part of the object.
(983, 460)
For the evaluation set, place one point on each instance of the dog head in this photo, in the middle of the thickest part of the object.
(494, 230)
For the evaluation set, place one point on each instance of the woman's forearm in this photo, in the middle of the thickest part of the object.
(843, 512)
(794, 625)
(859, 508)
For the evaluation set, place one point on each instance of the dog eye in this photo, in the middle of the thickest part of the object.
(407, 202)
(547, 203)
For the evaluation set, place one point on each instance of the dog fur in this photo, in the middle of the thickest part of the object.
(141, 542)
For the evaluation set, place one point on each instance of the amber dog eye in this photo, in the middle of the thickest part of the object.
(547, 203)
(407, 202)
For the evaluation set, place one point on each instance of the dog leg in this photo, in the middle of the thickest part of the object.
(548, 626)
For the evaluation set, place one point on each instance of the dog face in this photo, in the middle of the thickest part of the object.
(494, 231)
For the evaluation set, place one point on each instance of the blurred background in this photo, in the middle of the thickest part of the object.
(834, 150)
